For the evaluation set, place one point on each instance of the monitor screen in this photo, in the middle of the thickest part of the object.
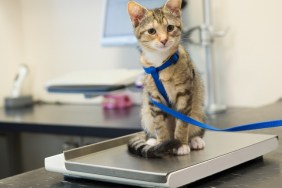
(117, 28)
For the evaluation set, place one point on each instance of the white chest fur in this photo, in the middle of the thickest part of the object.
(156, 58)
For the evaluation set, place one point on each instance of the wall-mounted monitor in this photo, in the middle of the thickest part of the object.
(117, 28)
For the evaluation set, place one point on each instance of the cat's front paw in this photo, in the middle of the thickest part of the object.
(197, 143)
(182, 150)
(151, 142)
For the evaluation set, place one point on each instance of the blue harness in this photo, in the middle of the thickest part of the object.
(154, 71)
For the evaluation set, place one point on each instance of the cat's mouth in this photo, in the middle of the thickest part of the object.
(164, 46)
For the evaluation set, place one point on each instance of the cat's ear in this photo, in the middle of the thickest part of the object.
(174, 6)
(136, 12)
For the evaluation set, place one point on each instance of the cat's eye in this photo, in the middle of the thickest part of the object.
(152, 31)
(170, 28)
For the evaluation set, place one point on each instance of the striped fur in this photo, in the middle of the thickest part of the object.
(182, 83)
(138, 146)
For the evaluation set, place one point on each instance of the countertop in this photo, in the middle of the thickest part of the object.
(260, 173)
(82, 120)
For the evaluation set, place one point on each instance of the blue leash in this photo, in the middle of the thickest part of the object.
(172, 60)
(252, 126)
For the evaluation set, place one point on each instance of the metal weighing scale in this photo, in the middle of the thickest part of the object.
(110, 161)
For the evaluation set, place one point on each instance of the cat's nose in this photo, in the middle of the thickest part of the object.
(164, 41)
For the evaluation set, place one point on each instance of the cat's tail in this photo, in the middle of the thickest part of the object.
(138, 146)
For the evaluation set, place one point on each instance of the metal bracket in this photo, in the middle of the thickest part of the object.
(206, 35)
(206, 38)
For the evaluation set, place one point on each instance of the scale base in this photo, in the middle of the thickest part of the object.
(110, 161)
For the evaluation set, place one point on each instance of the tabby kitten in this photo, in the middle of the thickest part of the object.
(159, 33)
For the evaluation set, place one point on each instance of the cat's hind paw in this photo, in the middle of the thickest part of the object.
(197, 143)
(182, 150)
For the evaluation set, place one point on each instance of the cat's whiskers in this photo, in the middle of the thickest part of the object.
(185, 39)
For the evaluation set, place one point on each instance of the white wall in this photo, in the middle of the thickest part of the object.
(252, 51)
(11, 44)
(248, 58)
(63, 35)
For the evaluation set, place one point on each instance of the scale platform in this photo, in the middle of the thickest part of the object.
(110, 161)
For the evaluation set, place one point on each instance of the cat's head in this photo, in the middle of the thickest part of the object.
(157, 29)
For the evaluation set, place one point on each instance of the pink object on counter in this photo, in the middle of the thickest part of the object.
(116, 101)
